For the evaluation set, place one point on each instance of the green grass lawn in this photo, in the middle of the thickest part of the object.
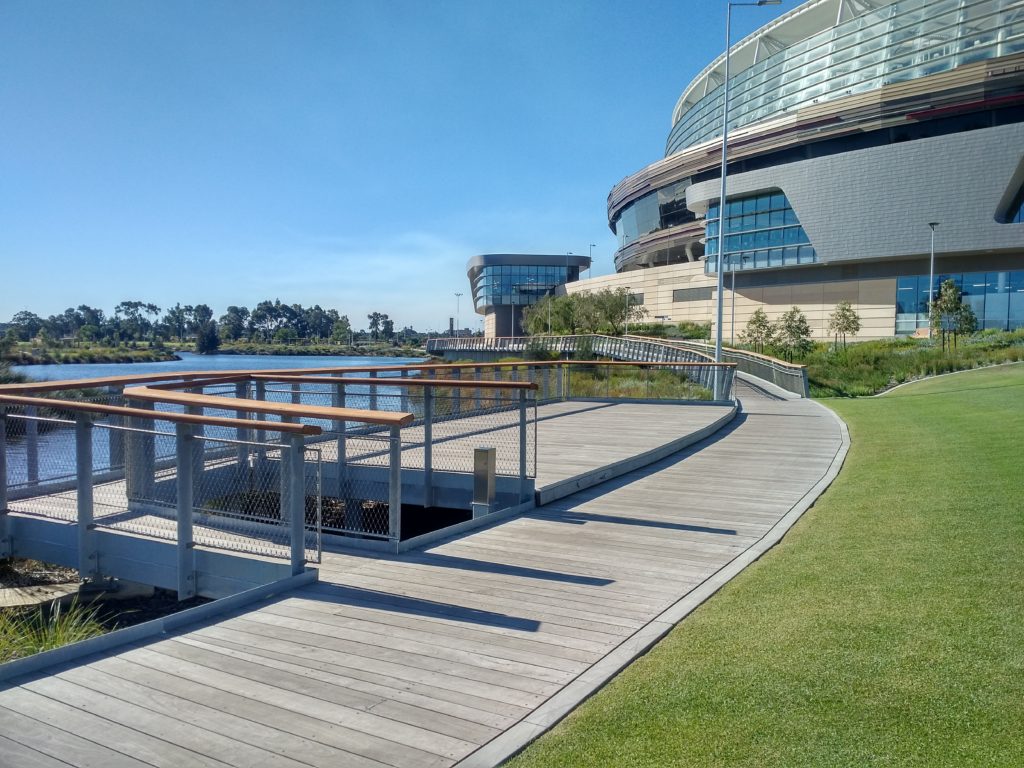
(886, 629)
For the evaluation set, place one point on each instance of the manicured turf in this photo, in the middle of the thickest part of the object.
(887, 629)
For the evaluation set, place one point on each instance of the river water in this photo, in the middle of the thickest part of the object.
(56, 441)
(193, 362)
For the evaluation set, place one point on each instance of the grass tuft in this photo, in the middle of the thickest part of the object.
(24, 632)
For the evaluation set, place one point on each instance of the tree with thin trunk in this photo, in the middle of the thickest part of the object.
(843, 321)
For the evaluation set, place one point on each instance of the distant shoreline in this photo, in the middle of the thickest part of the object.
(121, 355)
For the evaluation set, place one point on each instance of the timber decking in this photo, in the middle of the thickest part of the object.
(436, 656)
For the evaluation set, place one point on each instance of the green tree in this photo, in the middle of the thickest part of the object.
(233, 323)
(375, 318)
(207, 339)
(949, 307)
(341, 332)
(760, 331)
(794, 336)
(843, 321)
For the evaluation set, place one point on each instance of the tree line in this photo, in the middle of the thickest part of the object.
(139, 321)
(607, 310)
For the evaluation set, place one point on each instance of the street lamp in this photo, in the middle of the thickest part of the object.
(458, 296)
(721, 197)
(933, 225)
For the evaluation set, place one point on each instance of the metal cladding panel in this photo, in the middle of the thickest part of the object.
(876, 203)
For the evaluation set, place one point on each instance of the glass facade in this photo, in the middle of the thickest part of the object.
(519, 285)
(761, 232)
(892, 44)
(997, 299)
(650, 213)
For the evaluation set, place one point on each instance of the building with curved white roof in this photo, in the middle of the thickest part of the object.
(853, 126)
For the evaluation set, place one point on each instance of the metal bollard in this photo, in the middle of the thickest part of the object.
(484, 486)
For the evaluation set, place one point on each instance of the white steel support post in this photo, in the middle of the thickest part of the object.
(242, 433)
(141, 456)
(523, 489)
(456, 392)
(115, 437)
(476, 392)
(404, 401)
(547, 383)
(184, 443)
(296, 394)
(340, 428)
(88, 557)
(296, 470)
(428, 446)
(32, 444)
(373, 392)
(260, 393)
(395, 486)
(5, 527)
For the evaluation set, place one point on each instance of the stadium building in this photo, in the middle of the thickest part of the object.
(854, 127)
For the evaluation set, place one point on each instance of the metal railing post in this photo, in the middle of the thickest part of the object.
(476, 391)
(428, 446)
(523, 489)
(88, 557)
(260, 393)
(403, 404)
(373, 392)
(456, 393)
(295, 467)
(296, 394)
(340, 429)
(115, 437)
(32, 444)
(140, 458)
(242, 434)
(395, 486)
(6, 545)
(184, 444)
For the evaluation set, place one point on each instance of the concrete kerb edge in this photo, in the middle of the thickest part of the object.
(951, 373)
(512, 741)
(121, 637)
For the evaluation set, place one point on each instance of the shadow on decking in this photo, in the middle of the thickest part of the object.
(582, 518)
(486, 566)
(414, 606)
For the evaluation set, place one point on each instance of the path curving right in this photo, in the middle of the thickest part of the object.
(458, 654)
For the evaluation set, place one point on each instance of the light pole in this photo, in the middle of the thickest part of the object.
(458, 297)
(933, 225)
(591, 265)
(721, 197)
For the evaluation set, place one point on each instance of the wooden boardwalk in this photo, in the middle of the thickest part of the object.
(454, 654)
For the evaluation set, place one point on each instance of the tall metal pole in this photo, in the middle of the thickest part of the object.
(933, 225)
(721, 198)
(458, 296)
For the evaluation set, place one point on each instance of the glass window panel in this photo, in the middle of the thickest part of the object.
(1016, 300)
(997, 299)
(790, 216)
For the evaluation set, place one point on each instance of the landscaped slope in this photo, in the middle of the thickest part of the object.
(886, 629)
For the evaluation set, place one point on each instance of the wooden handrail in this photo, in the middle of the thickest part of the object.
(108, 381)
(145, 413)
(382, 418)
(392, 381)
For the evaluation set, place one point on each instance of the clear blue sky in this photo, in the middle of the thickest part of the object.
(352, 154)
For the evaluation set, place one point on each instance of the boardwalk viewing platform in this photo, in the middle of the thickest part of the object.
(462, 648)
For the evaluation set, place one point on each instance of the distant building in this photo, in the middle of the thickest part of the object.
(854, 124)
(504, 283)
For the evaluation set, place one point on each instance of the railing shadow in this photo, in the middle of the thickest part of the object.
(582, 518)
(413, 606)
